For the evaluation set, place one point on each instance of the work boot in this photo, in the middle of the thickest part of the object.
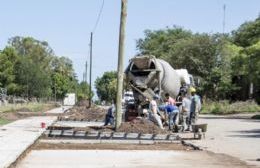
(187, 129)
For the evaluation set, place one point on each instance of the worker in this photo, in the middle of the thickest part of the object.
(153, 111)
(194, 107)
(169, 99)
(185, 112)
(110, 115)
(172, 112)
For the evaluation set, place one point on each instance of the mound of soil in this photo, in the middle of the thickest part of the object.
(144, 126)
(83, 113)
(83, 103)
(11, 116)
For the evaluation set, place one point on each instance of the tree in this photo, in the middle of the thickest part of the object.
(63, 77)
(106, 86)
(160, 42)
(8, 58)
(208, 57)
(32, 81)
(83, 91)
(248, 37)
(248, 33)
(37, 72)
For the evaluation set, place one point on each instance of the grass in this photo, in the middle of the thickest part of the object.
(224, 107)
(4, 121)
(28, 107)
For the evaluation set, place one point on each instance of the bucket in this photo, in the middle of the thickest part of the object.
(43, 124)
(196, 127)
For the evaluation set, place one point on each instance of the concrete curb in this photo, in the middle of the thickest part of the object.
(104, 141)
(195, 147)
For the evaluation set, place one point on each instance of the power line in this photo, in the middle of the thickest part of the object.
(99, 14)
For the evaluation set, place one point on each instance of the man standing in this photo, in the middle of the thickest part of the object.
(153, 110)
(185, 112)
(194, 107)
(110, 115)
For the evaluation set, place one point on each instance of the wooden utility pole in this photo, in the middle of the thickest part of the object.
(86, 72)
(90, 70)
(120, 64)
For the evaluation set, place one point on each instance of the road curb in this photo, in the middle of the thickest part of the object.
(195, 147)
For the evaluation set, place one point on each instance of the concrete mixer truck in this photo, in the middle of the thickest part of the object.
(148, 76)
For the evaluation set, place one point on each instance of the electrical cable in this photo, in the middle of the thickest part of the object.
(99, 14)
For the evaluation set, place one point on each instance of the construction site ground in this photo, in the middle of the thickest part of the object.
(230, 142)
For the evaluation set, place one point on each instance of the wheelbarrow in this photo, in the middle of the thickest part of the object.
(199, 130)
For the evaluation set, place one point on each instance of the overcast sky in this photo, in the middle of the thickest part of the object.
(66, 24)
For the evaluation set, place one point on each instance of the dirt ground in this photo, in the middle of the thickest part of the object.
(21, 114)
(144, 126)
(98, 113)
(84, 113)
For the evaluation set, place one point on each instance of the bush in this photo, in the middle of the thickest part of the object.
(224, 107)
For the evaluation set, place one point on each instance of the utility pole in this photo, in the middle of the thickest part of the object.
(120, 65)
(90, 70)
(86, 72)
(224, 18)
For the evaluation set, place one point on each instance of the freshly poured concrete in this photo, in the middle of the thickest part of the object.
(125, 159)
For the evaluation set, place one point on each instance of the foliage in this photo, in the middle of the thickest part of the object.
(106, 86)
(248, 33)
(30, 107)
(83, 91)
(226, 64)
(160, 42)
(4, 121)
(29, 68)
(224, 107)
(8, 58)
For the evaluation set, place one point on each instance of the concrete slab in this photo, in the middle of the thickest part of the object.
(17, 136)
(126, 159)
(232, 135)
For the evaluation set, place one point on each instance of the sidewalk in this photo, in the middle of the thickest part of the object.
(17, 136)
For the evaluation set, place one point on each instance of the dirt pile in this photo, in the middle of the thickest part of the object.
(83, 103)
(143, 126)
(83, 113)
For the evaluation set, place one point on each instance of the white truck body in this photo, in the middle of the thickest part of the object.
(70, 99)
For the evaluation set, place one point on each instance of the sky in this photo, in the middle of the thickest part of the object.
(66, 24)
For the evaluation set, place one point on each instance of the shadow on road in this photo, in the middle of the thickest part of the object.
(254, 133)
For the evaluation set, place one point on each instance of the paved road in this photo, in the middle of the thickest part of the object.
(237, 136)
(126, 159)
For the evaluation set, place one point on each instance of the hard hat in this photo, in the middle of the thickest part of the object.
(192, 89)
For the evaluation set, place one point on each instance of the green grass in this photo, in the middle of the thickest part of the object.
(4, 121)
(30, 107)
(224, 107)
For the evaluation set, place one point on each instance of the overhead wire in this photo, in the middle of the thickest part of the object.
(99, 15)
